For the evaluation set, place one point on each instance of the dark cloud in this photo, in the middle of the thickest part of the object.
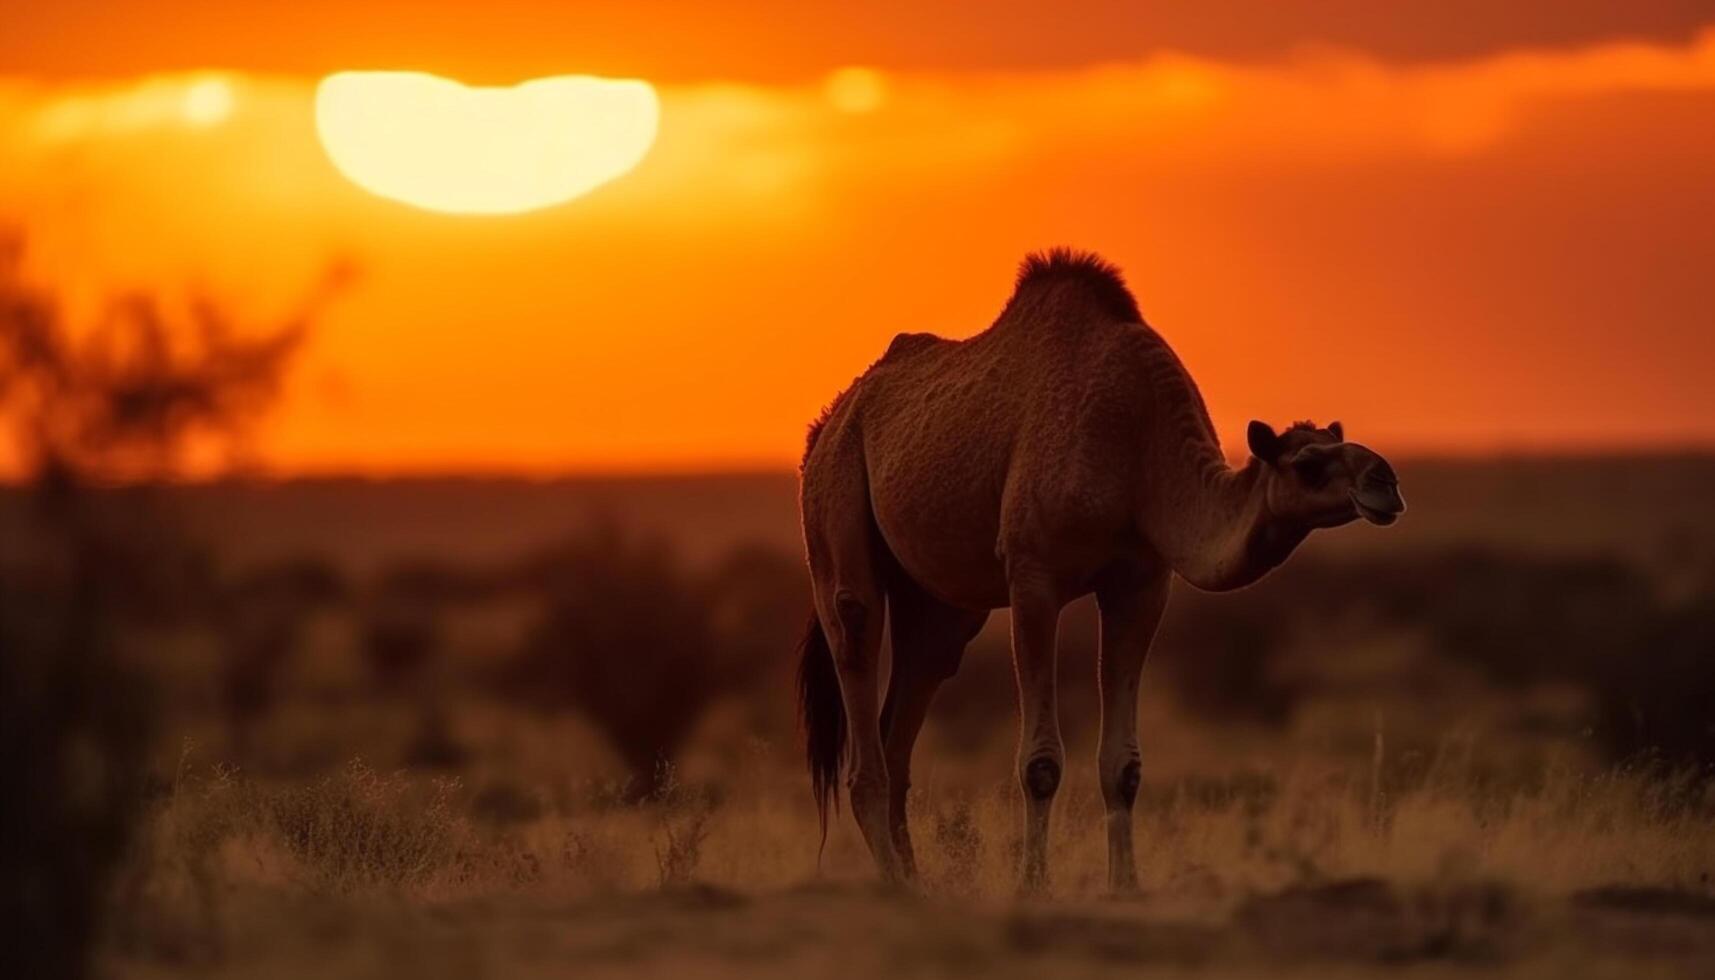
(773, 40)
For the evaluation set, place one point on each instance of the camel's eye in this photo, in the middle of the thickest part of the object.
(1312, 471)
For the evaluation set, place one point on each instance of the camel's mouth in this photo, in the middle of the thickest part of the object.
(1379, 506)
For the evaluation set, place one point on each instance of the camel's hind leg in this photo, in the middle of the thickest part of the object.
(847, 566)
(929, 639)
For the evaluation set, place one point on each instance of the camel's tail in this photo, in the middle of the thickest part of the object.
(824, 719)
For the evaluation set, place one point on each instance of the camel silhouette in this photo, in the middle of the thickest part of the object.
(1065, 450)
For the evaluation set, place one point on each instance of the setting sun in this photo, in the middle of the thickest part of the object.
(444, 146)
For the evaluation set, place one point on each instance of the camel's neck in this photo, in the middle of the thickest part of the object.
(1215, 529)
(1210, 522)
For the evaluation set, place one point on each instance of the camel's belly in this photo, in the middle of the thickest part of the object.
(941, 523)
(953, 570)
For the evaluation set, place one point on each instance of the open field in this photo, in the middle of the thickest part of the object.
(394, 730)
(362, 874)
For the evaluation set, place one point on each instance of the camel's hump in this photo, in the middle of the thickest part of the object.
(908, 343)
(1100, 279)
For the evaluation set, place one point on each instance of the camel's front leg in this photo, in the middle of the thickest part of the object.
(1041, 757)
(1131, 603)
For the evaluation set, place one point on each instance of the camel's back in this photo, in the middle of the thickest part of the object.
(1041, 415)
(954, 412)
(1069, 315)
(936, 413)
(950, 428)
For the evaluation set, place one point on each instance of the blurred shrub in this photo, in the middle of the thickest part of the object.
(626, 638)
(1605, 626)
(261, 617)
(1598, 623)
(405, 612)
(433, 743)
(1659, 697)
(402, 624)
(1221, 652)
(756, 597)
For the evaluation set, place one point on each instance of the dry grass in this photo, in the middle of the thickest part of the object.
(1314, 865)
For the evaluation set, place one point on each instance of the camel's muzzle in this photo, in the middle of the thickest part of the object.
(1378, 501)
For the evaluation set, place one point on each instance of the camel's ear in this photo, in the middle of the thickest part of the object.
(1265, 445)
(1338, 431)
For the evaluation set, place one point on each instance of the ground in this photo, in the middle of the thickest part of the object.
(1412, 751)
(1314, 872)
(1356, 927)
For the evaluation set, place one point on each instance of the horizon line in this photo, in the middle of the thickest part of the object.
(758, 468)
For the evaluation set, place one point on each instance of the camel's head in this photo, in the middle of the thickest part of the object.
(1319, 479)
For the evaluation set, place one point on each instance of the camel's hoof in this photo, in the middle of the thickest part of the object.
(1124, 890)
(898, 886)
(1031, 887)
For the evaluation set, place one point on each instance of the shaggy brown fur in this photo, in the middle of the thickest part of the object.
(1086, 271)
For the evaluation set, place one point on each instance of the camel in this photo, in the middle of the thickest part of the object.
(1065, 450)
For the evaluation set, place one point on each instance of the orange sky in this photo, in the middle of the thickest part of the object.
(1455, 234)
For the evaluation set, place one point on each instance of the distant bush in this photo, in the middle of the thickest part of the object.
(626, 638)
(260, 617)
(401, 635)
(1598, 623)
(756, 598)
(1660, 699)
(404, 613)
(1221, 653)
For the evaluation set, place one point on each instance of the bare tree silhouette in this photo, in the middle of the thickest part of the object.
(97, 417)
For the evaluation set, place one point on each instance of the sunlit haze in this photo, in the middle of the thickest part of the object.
(1455, 248)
